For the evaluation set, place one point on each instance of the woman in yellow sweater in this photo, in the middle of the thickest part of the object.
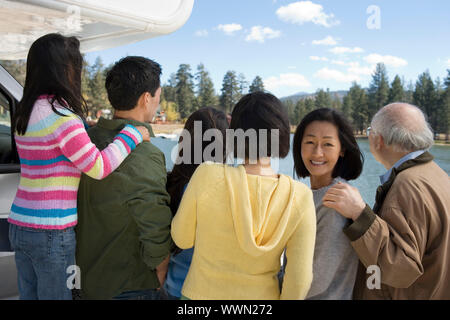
(241, 219)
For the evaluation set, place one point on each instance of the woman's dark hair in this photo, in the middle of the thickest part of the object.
(181, 173)
(348, 167)
(129, 78)
(261, 110)
(54, 66)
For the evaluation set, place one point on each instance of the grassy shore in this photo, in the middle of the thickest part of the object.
(167, 128)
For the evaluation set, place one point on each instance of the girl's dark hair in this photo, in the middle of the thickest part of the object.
(262, 110)
(348, 167)
(182, 173)
(54, 66)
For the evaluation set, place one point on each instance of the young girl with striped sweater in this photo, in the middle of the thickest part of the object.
(54, 149)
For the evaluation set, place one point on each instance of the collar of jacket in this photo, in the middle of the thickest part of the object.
(118, 124)
(383, 190)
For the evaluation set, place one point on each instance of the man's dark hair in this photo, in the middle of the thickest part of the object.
(348, 167)
(261, 110)
(129, 78)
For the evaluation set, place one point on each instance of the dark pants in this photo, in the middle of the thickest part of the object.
(151, 294)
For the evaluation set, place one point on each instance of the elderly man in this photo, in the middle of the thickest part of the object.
(407, 235)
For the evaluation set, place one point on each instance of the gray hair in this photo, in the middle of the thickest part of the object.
(404, 127)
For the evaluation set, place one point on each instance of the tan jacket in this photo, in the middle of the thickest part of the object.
(409, 239)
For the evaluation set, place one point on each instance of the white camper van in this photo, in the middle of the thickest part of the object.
(99, 24)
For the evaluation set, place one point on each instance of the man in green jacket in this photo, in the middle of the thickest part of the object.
(123, 231)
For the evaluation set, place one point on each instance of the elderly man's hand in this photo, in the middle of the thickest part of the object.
(345, 199)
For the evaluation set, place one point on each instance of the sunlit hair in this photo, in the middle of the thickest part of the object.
(54, 64)
(406, 132)
(261, 111)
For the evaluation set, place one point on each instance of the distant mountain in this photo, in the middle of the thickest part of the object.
(304, 95)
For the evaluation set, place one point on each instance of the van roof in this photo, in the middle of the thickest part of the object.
(98, 24)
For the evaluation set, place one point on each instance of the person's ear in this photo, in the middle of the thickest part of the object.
(147, 97)
(379, 142)
(144, 100)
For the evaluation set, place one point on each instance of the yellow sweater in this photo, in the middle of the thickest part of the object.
(240, 225)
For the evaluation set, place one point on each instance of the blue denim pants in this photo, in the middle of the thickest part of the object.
(42, 259)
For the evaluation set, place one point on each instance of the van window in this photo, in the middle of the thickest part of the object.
(6, 149)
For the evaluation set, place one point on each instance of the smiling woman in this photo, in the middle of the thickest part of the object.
(325, 150)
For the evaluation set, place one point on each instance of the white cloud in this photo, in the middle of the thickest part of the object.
(260, 34)
(339, 62)
(390, 61)
(316, 58)
(448, 63)
(328, 41)
(229, 29)
(306, 11)
(342, 50)
(286, 80)
(331, 74)
(357, 69)
(201, 33)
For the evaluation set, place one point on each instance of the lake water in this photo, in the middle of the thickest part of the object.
(367, 183)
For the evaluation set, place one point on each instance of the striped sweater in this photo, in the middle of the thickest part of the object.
(53, 152)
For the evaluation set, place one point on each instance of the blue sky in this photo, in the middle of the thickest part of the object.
(301, 46)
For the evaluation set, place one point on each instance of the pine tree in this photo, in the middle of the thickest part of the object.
(290, 107)
(206, 96)
(360, 112)
(336, 103)
(310, 105)
(230, 91)
(396, 93)
(243, 85)
(257, 85)
(378, 90)
(169, 90)
(409, 93)
(323, 99)
(98, 97)
(347, 106)
(425, 97)
(444, 110)
(300, 111)
(184, 91)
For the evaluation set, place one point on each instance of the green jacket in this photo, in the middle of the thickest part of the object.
(123, 229)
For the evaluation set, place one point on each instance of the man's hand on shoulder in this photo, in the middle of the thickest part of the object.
(345, 199)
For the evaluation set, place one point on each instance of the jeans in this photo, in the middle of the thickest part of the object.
(150, 294)
(42, 258)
